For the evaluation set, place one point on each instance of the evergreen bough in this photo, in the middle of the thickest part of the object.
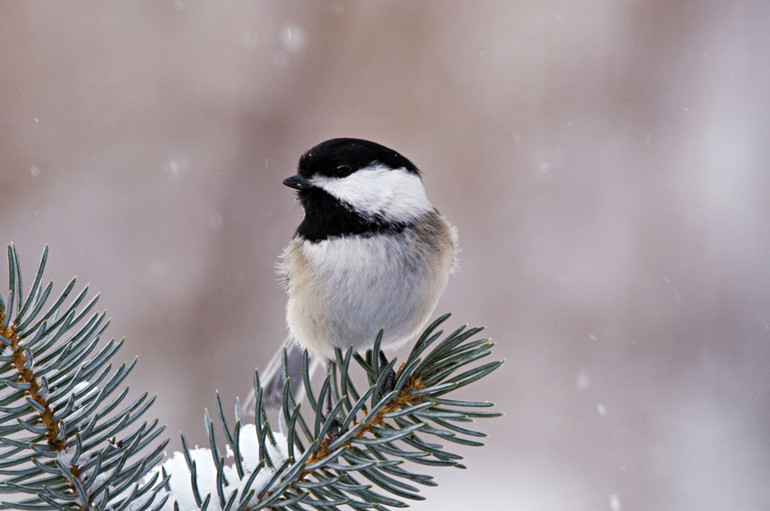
(70, 441)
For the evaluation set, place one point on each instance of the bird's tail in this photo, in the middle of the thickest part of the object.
(272, 378)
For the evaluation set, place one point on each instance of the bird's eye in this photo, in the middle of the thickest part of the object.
(343, 169)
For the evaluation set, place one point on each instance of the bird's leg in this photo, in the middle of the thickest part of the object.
(390, 378)
(334, 430)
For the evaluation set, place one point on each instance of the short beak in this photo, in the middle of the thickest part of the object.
(297, 182)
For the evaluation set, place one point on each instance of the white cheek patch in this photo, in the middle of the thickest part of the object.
(393, 194)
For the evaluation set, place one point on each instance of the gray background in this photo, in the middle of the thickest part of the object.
(605, 163)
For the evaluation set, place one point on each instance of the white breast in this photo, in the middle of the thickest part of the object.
(342, 291)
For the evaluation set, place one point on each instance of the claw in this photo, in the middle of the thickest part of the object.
(390, 378)
(334, 429)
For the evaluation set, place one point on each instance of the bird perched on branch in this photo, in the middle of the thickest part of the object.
(371, 253)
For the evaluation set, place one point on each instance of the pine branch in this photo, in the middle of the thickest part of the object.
(67, 440)
(311, 465)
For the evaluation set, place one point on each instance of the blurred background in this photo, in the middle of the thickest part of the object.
(605, 162)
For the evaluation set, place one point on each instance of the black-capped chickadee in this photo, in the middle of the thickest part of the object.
(371, 253)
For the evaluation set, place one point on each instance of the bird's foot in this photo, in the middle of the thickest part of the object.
(336, 426)
(390, 378)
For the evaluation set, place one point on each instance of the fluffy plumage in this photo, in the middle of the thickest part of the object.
(370, 253)
(342, 292)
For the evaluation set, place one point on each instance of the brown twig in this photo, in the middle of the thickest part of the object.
(26, 375)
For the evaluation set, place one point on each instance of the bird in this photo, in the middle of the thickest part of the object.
(371, 253)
